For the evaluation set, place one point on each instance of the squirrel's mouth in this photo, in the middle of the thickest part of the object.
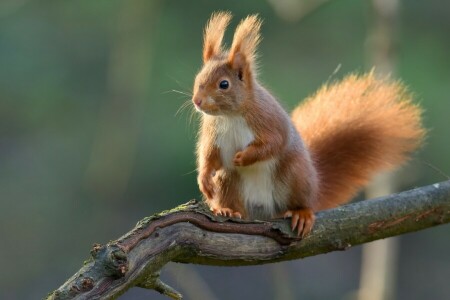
(208, 112)
(207, 109)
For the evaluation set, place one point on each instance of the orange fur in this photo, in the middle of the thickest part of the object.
(254, 161)
(214, 31)
(245, 41)
(356, 128)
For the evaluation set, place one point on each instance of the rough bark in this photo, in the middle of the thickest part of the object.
(190, 234)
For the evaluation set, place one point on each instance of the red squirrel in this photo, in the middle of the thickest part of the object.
(257, 162)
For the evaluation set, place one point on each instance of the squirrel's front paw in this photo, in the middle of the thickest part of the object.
(242, 159)
(239, 159)
(226, 212)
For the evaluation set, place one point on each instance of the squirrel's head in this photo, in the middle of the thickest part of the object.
(227, 77)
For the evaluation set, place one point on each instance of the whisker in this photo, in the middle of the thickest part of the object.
(183, 93)
(193, 115)
(436, 169)
(189, 173)
(183, 107)
(334, 73)
(183, 86)
(189, 94)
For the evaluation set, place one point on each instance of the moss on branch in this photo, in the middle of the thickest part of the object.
(189, 233)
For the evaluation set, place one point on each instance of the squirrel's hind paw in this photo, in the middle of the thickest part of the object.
(302, 219)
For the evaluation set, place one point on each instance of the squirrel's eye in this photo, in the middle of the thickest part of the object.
(224, 84)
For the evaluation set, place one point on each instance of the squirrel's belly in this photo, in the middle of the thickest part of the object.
(259, 191)
(264, 197)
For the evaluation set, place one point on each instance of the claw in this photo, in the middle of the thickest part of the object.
(302, 220)
(237, 215)
(308, 226)
(301, 227)
(287, 214)
(294, 221)
(226, 212)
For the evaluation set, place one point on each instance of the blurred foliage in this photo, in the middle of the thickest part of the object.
(90, 141)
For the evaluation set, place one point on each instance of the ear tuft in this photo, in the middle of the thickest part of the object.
(246, 38)
(214, 31)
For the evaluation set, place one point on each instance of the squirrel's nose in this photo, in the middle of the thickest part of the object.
(197, 101)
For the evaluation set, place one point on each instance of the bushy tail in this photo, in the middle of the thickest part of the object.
(356, 128)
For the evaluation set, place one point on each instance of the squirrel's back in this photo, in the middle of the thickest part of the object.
(354, 129)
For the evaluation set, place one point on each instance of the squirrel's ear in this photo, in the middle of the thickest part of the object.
(214, 31)
(242, 55)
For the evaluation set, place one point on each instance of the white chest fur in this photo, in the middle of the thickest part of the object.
(233, 135)
(257, 184)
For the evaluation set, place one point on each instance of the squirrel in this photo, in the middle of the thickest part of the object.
(254, 161)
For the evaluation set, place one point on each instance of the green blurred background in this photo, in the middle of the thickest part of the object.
(91, 142)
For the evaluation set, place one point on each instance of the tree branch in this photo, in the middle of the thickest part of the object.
(190, 234)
